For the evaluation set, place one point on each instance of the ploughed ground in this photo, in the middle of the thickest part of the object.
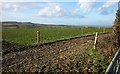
(64, 56)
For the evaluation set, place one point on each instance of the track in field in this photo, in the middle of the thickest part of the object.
(61, 56)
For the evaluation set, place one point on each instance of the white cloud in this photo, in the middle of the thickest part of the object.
(55, 10)
(104, 8)
(10, 6)
(17, 6)
(0, 8)
(51, 10)
(24, 0)
(108, 4)
(86, 5)
(76, 13)
(51, 0)
(104, 12)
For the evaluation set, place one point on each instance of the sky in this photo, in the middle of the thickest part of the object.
(60, 12)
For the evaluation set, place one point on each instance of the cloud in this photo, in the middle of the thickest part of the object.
(108, 4)
(104, 12)
(25, 1)
(51, 10)
(52, 0)
(43, 10)
(86, 5)
(104, 8)
(1, 8)
(76, 13)
(55, 10)
(10, 6)
(17, 6)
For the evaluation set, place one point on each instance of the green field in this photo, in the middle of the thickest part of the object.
(49, 34)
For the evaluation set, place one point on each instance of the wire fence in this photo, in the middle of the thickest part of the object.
(114, 66)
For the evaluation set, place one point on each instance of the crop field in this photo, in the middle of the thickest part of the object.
(63, 37)
(75, 55)
(49, 34)
(72, 55)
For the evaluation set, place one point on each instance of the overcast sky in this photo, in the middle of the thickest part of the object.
(74, 12)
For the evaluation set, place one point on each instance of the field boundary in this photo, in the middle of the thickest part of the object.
(25, 47)
(86, 35)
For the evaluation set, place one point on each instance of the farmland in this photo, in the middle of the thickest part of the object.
(74, 55)
(49, 34)
(71, 55)
(60, 37)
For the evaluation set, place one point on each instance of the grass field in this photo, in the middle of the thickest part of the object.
(50, 34)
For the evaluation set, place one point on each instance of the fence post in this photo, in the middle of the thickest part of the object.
(38, 37)
(96, 36)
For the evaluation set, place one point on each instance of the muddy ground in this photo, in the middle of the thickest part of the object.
(63, 56)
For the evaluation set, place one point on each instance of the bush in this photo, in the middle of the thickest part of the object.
(116, 30)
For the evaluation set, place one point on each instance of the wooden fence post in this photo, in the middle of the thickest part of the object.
(96, 36)
(38, 37)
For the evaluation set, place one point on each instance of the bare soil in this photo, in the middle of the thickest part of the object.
(63, 56)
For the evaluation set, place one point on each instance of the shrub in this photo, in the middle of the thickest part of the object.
(116, 30)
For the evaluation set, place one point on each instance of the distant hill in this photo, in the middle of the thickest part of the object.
(21, 25)
(28, 25)
(12, 24)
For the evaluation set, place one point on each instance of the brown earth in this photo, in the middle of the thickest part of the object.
(63, 56)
